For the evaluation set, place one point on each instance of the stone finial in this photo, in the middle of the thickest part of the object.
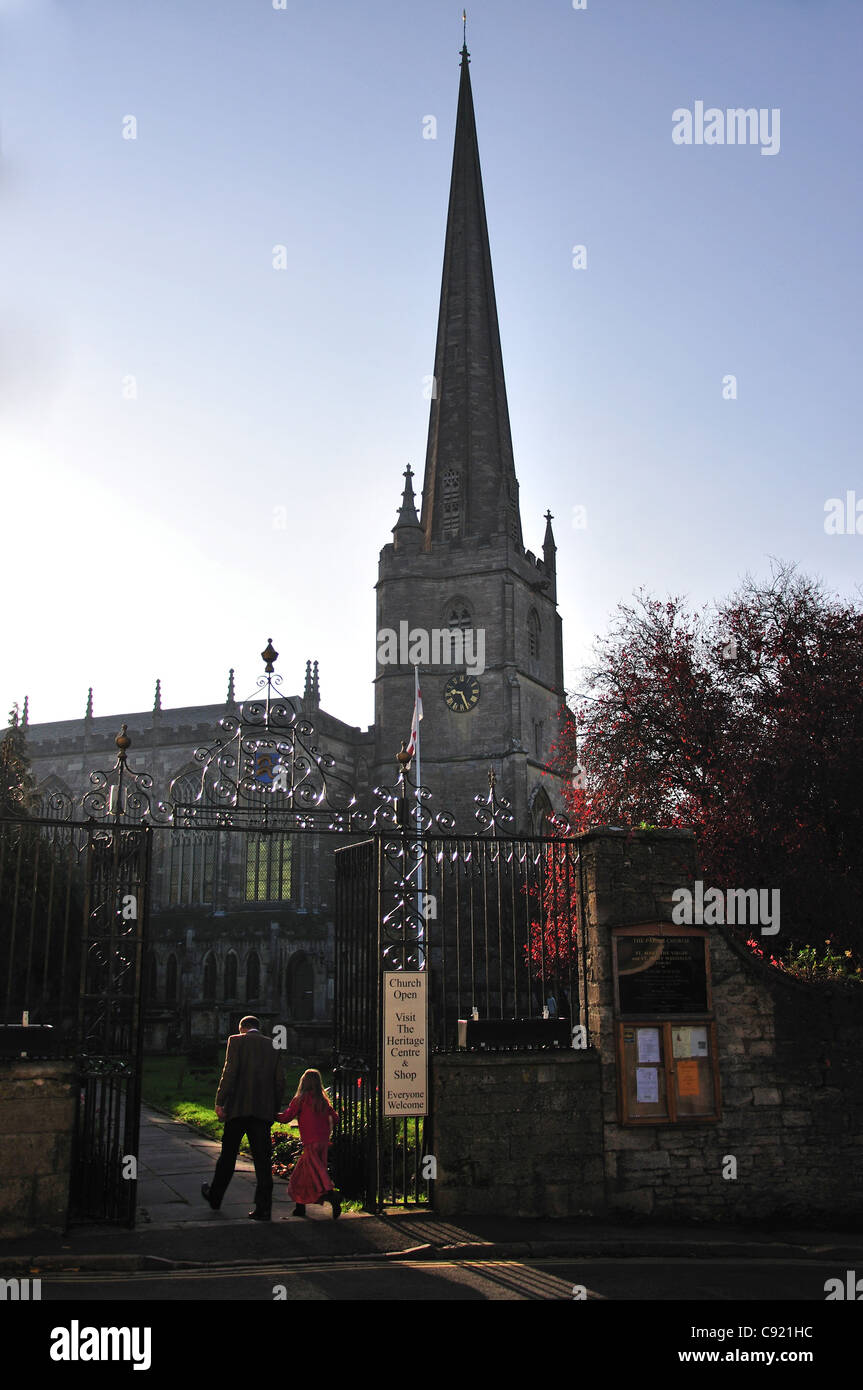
(312, 691)
(25, 717)
(157, 703)
(407, 532)
(548, 543)
(89, 713)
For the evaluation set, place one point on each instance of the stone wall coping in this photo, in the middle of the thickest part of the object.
(822, 991)
(615, 831)
(25, 1068)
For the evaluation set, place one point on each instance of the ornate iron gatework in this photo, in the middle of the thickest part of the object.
(110, 1034)
(493, 918)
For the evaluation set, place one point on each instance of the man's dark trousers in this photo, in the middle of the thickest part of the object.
(261, 1145)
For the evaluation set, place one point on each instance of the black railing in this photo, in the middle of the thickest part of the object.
(42, 895)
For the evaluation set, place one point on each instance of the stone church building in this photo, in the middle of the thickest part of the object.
(246, 922)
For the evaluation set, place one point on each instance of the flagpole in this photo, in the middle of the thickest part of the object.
(421, 904)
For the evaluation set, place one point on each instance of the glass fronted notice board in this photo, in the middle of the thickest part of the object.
(666, 1037)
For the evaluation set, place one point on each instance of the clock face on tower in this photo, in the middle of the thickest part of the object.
(461, 693)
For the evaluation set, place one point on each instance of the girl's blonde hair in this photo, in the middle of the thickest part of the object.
(310, 1084)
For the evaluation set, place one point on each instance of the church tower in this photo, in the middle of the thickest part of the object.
(457, 592)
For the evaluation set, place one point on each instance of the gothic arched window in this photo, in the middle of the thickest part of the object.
(171, 980)
(300, 988)
(451, 497)
(231, 975)
(152, 976)
(253, 976)
(533, 633)
(458, 615)
(540, 812)
(192, 852)
(209, 976)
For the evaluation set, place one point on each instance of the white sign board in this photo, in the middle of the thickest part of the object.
(405, 1043)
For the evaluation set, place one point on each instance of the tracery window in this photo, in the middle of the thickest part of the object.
(451, 503)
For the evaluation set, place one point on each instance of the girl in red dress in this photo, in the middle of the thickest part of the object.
(310, 1181)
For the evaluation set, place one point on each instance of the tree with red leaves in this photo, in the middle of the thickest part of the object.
(745, 723)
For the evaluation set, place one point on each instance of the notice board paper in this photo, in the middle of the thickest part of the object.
(687, 1078)
(647, 1085)
(648, 1044)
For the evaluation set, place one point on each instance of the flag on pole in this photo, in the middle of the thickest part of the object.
(413, 744)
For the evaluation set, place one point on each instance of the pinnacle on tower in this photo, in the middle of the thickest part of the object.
(312, 691)
(157, 703)
(407, 532)
(470, 489)
(89, 711)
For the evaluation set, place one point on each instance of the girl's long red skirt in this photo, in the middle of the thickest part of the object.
(310, 1179)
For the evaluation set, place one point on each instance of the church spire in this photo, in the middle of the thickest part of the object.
(470, 488)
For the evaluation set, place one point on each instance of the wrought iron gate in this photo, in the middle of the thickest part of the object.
(110, 1032)
(493, 920)
(73, 910)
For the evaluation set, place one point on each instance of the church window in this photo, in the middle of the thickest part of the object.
(533, 634)
(231, 975)
(210, 976)
(458, 616)
(300, 989)
(540, 813)
(268, 868)
(537, 736)
(253, 976)
(451, 503)
(171, 980)
(152, 976)
(192, 854)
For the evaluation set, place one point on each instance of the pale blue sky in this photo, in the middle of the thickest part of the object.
(138, 536)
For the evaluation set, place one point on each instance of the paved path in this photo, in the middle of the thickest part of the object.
(173, 1161)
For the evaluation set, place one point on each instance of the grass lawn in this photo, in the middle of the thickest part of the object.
(187, 1090)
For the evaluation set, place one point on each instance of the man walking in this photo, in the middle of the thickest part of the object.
(248, 1099)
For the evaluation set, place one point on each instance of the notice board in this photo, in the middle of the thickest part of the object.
(661, 974)
(405, 1043)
